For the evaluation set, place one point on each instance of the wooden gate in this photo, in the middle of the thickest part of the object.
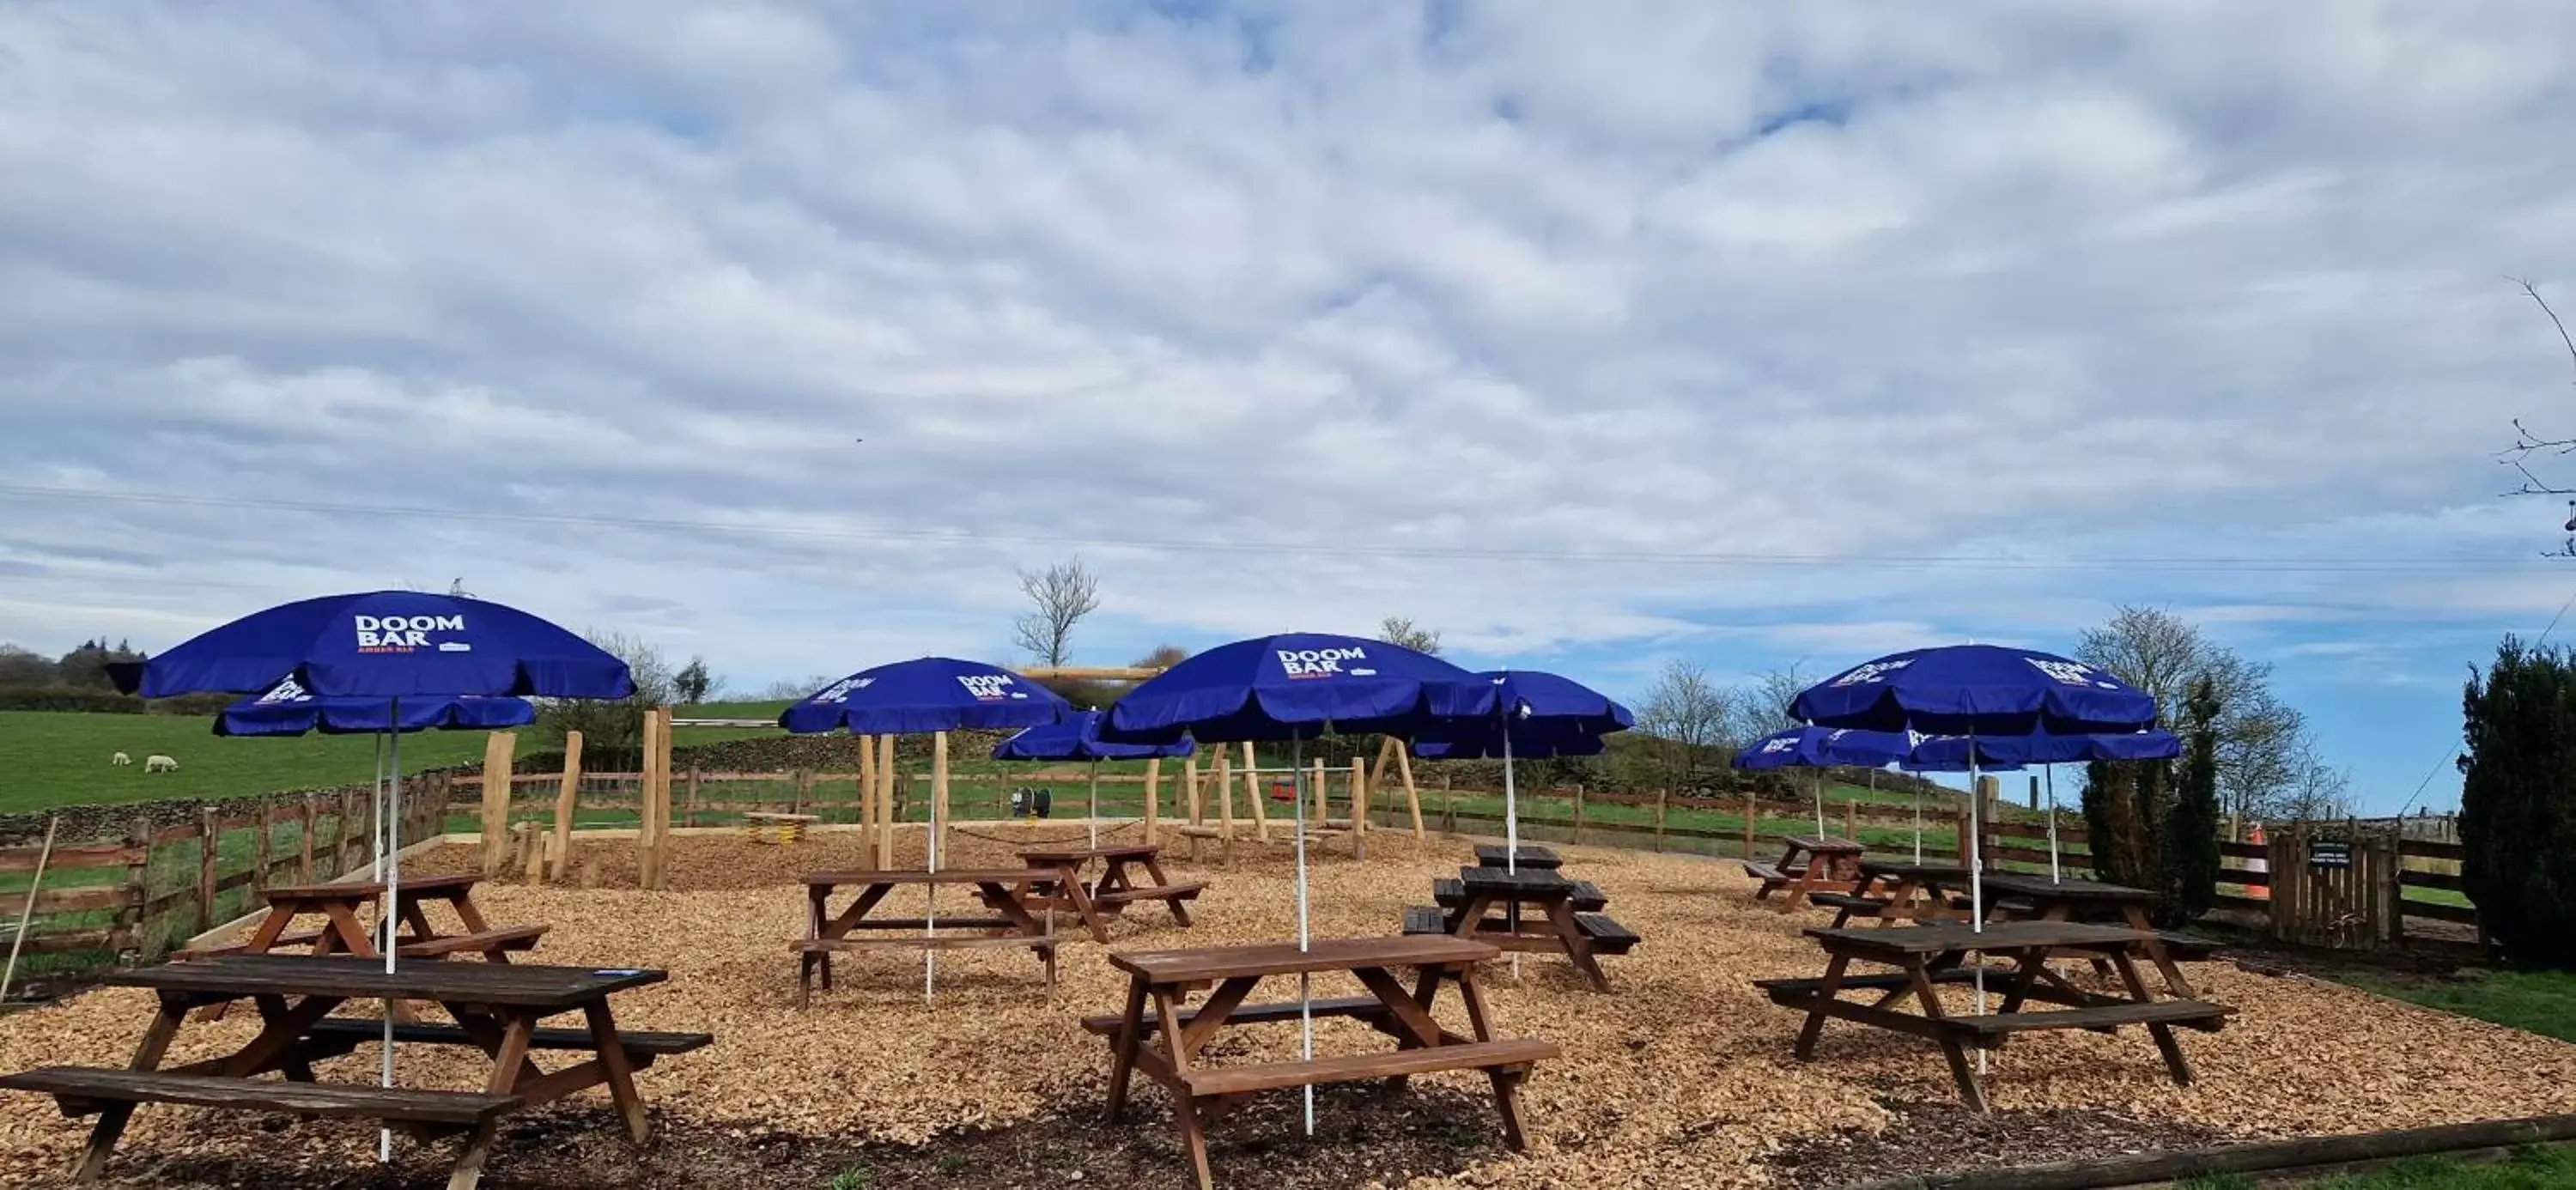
(2338, 891)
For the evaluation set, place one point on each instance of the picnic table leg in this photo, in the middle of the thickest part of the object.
(1560, 914)
(613, 1063)
(1960, 1071)
(2166, 1044)
(276, 1045)
(467, 913)
(1826, 988)
(509, 1054)
(1154, 868)
(492, 1035)
(262, 940)
(2136, 916)
(1083, 906)
(103, 1135)
(1122, 1050)
(1507, 1083)
(1185, 1111)
(416, 919)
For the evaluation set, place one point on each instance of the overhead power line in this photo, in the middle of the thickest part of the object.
(2243, 565)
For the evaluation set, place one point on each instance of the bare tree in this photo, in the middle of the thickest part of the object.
(614, 728)
(1762, 705)
(1063, 594)
(1402, 632)
(2264, 747)
(693, 682)
(2527, 444)
(1690, 715)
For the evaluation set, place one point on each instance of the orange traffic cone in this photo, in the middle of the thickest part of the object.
(2259, 892)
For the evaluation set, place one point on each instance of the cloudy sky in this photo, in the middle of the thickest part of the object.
(1592, 335)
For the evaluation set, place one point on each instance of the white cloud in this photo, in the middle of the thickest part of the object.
(2122, 281)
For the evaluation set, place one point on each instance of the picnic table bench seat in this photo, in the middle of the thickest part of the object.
(87, 1090)
(2202, 1015)
(1608, 937)
(641, 1047)
(1510, 1057)
(488, 943)
(1783, 991)
(1150, 892)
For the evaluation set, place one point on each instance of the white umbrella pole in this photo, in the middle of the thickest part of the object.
(1093, 816)
(1976, 879)
(376, 801)
(1305, 981)
(1511, 833)
(2051, 778)
(1918, 819)
(385, 912)
(930, 915)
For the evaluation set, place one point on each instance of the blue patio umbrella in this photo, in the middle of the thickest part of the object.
(1983, 690)
(1953, 753)
(1526, 711)
(388, 645)
(288, 709)
(1077, 737)
(1292, 686)
(1979, 692)
(927, 694)
(1804, 746)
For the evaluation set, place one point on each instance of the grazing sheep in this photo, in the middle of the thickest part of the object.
(120, 758)
(160, 764)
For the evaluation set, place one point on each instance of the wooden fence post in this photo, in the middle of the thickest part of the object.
(312, 823)
(138, 889)
(567, 803)
(1359, 808)
(498, 750)
(1578, 814)
(1851, 819)
(260, 856)
(1659, 819)
(1153, 794)
(1752, 809)
(208, 837)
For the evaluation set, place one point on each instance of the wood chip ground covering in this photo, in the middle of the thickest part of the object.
(1681, 1077)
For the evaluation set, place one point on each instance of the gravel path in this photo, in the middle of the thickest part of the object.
(1682, 1077)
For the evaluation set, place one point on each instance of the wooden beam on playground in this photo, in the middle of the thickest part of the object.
(499, 749)
(1252, 787)
(939, 790)
(885, 801)
(1079, 673)
(566, 802)
(1153, 794)
(1390, 746)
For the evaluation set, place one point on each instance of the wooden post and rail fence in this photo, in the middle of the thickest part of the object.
(141, 890)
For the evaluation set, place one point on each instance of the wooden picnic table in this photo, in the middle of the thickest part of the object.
(497, 1009)
(1114, 890)
(1935, 953)
(1807, 865)
(344, 930)
(1004, 893)
(1554, 924)
(1168, 1042)
(1494, 855)
(1892, 892)
(2087, 901)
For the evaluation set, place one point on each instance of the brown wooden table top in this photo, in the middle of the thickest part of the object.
(1528, 883)
(524, 985)
(356, 890)
(1076, 854)
(1946, 937)
(913, 876)
(426, 885)
(1494, 855)
(1283, 958)
(2027, 885)
(1904, 871)
(1824, 846)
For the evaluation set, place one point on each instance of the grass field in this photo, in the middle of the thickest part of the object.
(52, 759)
(2539, 1001)
(2540, 1168)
